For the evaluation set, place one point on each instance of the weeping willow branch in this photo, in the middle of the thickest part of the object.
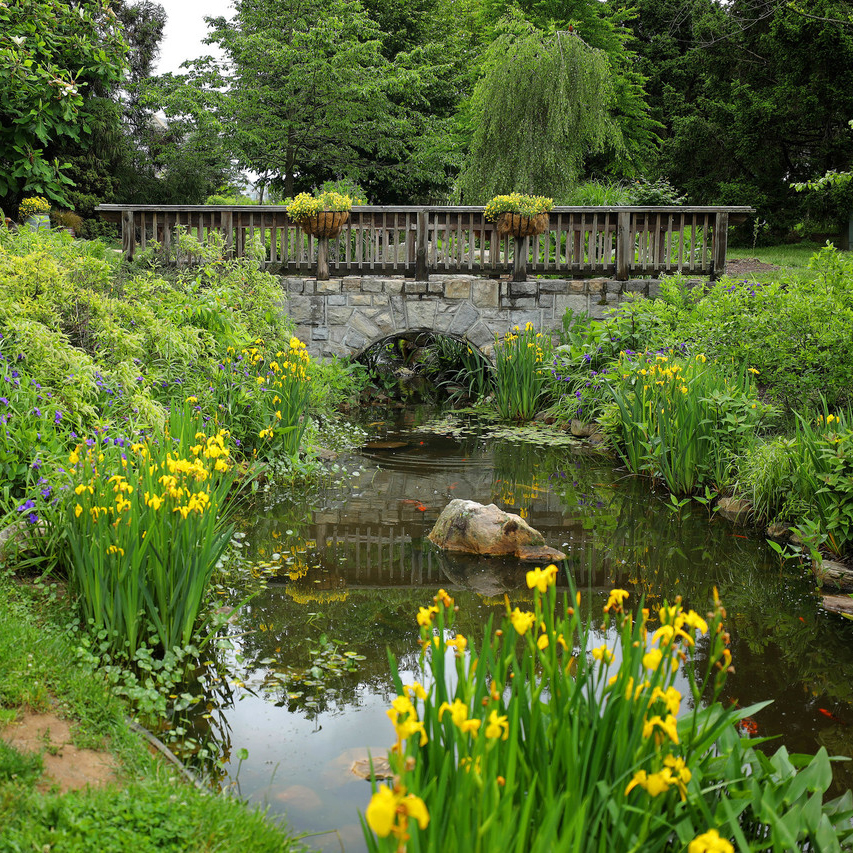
(541, 105)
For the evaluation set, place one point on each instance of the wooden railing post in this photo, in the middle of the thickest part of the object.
(421, 271)
(721, 239)
(322, 259)
(624, 247)
(519, 259)
(128, 234)
(228, 223)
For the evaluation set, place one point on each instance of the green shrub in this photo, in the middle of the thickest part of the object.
(653, 193)
(795, 333)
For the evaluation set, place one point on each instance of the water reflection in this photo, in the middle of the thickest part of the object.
(349, 575)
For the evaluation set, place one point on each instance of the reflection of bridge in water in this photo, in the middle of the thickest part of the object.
(375, 537)
(361, 555)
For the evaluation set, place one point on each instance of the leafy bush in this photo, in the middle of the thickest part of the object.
(795, 333)
(654, 193)
(588, 352)
(115, 346)
(544, 740)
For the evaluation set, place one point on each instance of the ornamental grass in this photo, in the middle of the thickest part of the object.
(683, 420)
(545, 739)
(146, 525)
(520, 373)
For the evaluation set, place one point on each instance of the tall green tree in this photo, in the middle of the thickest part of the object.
(605, 26)
(54, 56)
(755, 95)
(112, 161)
(542, 104)
(305, 91)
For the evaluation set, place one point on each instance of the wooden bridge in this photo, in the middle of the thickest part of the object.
(415, 242)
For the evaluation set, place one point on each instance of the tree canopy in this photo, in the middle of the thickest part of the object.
(732, 102)
(541, 105)
(54, 56)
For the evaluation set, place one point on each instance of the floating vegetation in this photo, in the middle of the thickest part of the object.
(458, 425)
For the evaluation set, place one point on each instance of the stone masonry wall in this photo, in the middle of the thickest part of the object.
(342, 316)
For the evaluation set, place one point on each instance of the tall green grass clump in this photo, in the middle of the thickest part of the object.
(683, 420)
(543, 740)
(823, 475)
(146, 524)
(520, 373)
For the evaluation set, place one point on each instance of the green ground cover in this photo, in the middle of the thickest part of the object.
(149, 807)
(791, 258)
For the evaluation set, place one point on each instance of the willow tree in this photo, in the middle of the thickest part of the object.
(542, 104)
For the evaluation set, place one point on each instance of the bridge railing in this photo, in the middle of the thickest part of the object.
(619, 242)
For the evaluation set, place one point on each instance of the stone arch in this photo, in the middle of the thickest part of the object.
(419, 337)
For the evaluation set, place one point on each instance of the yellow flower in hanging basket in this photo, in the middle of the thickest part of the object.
(323, 215)
(34, 206)
(519, 214)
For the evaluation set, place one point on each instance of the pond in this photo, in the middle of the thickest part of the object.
(350, 566)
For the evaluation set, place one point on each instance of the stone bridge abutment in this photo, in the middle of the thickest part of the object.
(342, 316)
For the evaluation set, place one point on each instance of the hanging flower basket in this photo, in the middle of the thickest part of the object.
(518, 214)
(326, 223)
(323, 215)
(522, 226)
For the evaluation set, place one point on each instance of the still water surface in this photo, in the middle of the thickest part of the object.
(353, 566)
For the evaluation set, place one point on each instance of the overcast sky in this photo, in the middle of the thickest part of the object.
(185, 28)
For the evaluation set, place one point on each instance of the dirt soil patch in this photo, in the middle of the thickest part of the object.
(65, 765)
(742, 267)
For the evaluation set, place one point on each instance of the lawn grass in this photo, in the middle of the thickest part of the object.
(791, 258)
(151, 808)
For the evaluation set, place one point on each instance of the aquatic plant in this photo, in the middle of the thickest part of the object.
(520, 373)
(822, 476)
(542, 741)
(265, 395)
(683, 420)
(146, 524)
